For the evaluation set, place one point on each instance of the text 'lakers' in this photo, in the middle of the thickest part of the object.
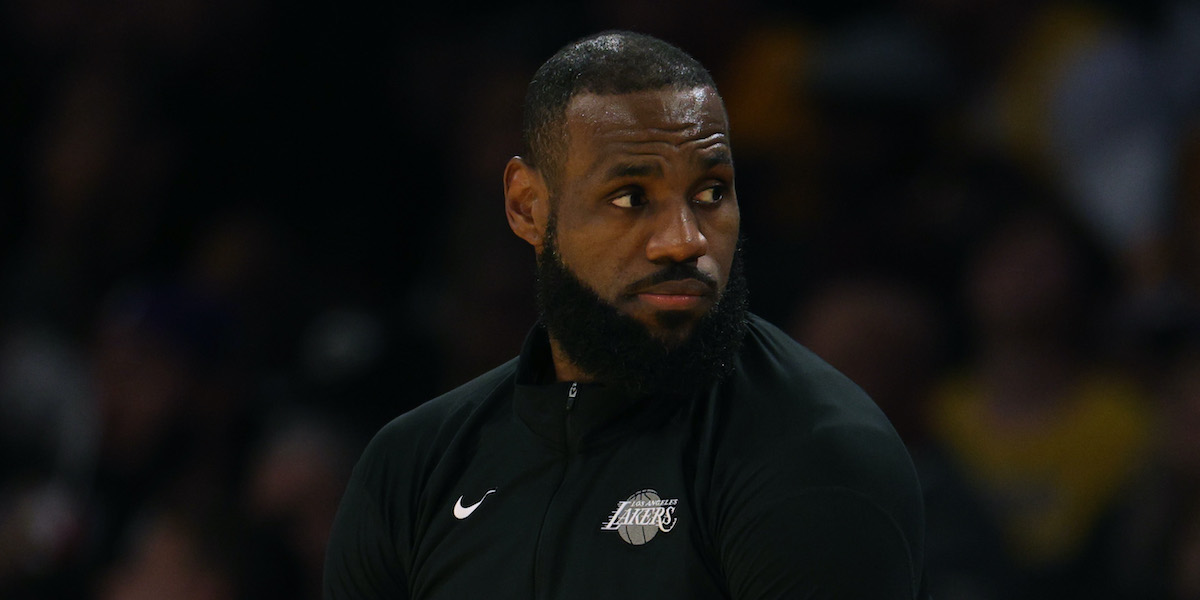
(642, 516)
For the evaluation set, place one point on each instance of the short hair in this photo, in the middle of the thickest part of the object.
(609, 62)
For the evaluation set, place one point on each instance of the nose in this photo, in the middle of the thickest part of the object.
(676, 236)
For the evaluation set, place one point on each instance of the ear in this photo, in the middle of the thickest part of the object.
(526, 201)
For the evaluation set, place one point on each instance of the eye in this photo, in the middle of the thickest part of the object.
(711, 195)
(631, 199)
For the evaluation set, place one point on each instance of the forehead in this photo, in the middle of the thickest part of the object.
(647, 122)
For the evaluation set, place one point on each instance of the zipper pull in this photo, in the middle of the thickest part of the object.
(571, 395)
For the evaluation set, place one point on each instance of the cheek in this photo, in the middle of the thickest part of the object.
(593, 260)
(723, 223)
(722, 233)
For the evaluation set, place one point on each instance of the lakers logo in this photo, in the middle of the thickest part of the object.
(641, 517)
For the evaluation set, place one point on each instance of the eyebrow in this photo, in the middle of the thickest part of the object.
(716, 159)
(622, 170)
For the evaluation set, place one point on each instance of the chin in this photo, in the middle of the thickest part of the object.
(673, 327)
(676, 320)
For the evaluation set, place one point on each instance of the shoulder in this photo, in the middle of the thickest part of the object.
(778, 381)
(418, 436)
(802, 425)
(801, 452)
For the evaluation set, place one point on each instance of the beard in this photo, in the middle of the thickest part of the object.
(621, 351)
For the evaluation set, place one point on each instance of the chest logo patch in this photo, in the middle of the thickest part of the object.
(461, 512)
(642, 516)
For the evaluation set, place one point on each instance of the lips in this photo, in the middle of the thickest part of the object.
(682, 294)
(681, 287)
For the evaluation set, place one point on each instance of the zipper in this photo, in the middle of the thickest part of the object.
(538, 575)
(571, 394)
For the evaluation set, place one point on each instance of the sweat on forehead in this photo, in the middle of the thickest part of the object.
(611, 62)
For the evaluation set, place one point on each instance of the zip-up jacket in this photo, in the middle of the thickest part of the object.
(783, 480)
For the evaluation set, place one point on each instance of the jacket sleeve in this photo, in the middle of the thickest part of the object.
(820, 543)
(361, 562)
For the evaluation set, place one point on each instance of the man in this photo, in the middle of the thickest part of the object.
(653, 439)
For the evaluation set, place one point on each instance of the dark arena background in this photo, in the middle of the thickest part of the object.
(238, 236)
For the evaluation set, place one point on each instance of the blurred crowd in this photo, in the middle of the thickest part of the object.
(237, 237)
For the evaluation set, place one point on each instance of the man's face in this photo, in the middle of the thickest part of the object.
(645, 212)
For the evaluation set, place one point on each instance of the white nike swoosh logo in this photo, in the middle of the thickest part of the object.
(462, 512)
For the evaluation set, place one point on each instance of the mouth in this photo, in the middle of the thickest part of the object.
(684, 294)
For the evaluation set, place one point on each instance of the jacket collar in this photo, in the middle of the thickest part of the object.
(577, 415)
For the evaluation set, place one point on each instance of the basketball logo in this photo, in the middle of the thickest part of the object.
(642, 516)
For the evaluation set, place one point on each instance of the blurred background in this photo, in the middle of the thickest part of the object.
(237, 237)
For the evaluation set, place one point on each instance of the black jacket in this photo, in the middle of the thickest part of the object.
(784, 481)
